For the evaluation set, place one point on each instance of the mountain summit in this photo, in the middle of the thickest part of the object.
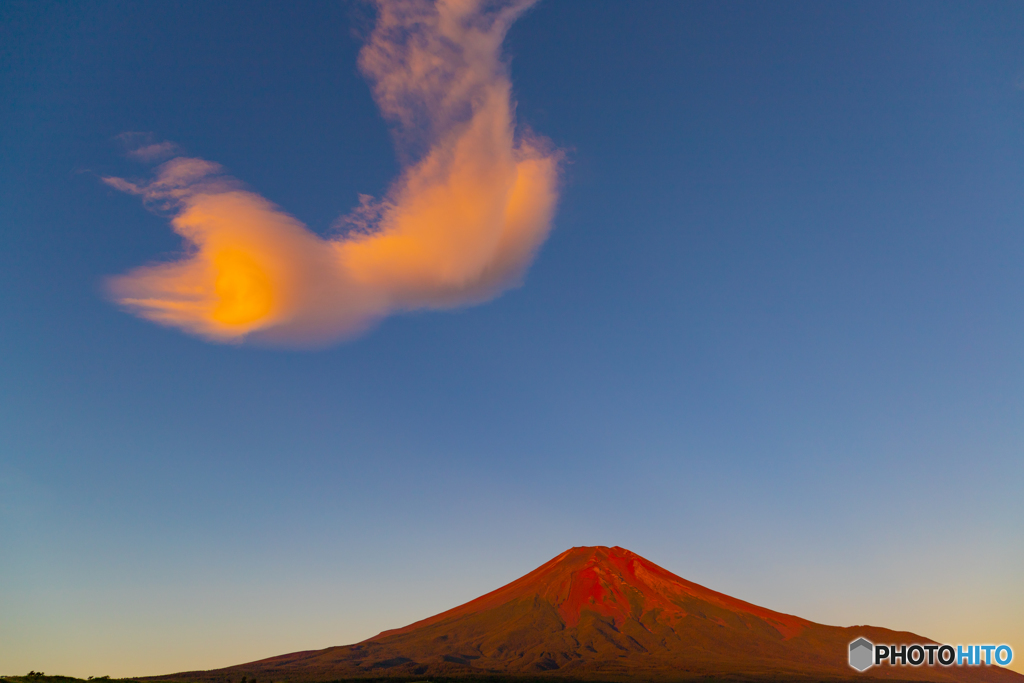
(617, 588)
(599, 613)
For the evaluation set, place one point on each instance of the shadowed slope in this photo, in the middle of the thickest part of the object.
(602, 613)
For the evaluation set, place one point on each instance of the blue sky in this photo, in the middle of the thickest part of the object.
(773, 342)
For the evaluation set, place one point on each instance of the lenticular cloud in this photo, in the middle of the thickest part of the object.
(460, 225)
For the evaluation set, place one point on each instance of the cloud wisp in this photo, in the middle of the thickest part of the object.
(460, 225)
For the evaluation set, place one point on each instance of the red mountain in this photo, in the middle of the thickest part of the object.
(597, 613)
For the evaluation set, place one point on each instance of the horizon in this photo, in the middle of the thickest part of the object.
(302, 342)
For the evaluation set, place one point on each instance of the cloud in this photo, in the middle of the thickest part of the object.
(153, 152)
(459, 226)
(142, 147)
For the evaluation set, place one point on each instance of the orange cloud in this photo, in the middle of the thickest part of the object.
(458, 227)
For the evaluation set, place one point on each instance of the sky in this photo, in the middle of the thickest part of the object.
(742, 293)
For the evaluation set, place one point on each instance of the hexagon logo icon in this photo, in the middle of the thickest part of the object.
(862, 653)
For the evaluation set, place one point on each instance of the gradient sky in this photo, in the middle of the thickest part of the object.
(773, 342)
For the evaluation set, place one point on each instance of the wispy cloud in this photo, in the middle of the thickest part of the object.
(460, 225)
(143, 147)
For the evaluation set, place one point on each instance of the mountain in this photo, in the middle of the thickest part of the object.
(597, 613)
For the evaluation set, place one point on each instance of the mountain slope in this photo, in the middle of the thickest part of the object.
(598, 613)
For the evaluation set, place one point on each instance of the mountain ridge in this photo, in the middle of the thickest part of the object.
(603, 613)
